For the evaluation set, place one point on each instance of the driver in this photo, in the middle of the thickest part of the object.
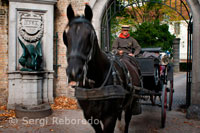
(125, 43)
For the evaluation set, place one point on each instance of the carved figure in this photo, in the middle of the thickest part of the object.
(31, 58)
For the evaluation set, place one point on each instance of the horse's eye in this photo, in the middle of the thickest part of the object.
(65, 38)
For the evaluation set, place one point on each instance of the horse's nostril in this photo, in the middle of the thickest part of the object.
(79, 71)
(75, 73)
(78, 74)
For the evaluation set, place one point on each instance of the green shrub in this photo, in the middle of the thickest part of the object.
(153, 34)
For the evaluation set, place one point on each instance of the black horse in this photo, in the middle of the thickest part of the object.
(92, 68)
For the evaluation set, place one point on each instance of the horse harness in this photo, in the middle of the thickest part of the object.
(117, 90)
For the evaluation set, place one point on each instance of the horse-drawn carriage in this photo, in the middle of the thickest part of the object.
(105, 86)
(157, 74)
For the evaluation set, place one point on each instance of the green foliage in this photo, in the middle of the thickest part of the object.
(144, 17)
(153, 34)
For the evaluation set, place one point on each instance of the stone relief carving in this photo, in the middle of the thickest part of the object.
(31, 26)
(30, 30)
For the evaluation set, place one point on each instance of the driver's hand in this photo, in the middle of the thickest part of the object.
(131, 54)
(121, 52)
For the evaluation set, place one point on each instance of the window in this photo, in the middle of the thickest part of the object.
(177, 28)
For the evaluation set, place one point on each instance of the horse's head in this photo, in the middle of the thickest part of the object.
(79, 41)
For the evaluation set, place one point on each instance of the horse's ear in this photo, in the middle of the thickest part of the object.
(70, 12)
(88, 12)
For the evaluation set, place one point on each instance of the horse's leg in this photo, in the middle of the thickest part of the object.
(109, 124)
(128, 115)
(97, 126)
(94, 123)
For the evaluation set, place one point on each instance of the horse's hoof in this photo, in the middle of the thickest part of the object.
(120, 126)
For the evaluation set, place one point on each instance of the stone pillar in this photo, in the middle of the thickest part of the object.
(32, 88)
(31, 21)
(176, 51)
(194, 109)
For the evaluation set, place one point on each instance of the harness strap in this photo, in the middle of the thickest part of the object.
(115, 73)
(81, 19)
(112, 70)
(107, 76)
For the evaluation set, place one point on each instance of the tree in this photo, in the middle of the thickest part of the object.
(146, 16)
(136, 13)
(153, 34)
(141, 11)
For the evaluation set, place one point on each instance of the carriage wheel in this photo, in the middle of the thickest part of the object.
(171, 91)
(164, 106)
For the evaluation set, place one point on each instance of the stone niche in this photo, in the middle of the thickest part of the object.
(30, 21)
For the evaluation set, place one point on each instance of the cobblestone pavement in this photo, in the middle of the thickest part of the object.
(72, 121)
(179, 90)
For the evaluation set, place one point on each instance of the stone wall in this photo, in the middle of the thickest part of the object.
(182, 36)
(3, 52)
(60, 83)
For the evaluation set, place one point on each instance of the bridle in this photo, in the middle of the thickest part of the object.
(91, 52)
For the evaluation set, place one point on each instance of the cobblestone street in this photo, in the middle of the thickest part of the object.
(180, 90)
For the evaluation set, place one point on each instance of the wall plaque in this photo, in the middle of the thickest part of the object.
(31, 26)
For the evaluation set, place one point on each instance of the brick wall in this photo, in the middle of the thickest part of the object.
(3, 52)
(60, 84)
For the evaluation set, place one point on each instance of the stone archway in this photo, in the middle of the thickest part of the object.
(98, 10)
(194, 109)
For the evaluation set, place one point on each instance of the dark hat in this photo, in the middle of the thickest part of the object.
(125, 27)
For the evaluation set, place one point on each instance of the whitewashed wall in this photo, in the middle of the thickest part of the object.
(182, 36)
